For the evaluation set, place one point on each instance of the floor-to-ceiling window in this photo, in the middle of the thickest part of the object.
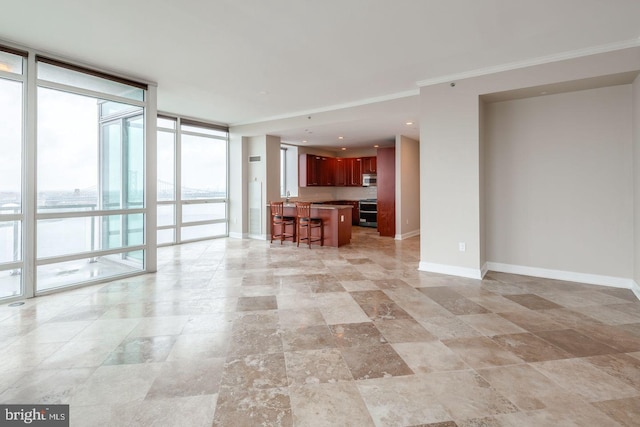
(90, 177)
(73, 150)
(166, 187)
(192, 180)
(12, 83)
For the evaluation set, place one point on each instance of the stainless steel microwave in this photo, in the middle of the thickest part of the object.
(369, 180)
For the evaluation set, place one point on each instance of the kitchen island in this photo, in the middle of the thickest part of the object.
(336, 221)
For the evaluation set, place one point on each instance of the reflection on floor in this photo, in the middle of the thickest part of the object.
(244, 333)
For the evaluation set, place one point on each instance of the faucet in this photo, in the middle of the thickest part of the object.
(288, 194)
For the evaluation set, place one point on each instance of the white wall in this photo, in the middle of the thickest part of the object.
(449, 181)
(452, 208)
(272, 165)
(481, 184)
(407, 187)
(636, 169)
(237, 186)
(291, 172)
(558, 188)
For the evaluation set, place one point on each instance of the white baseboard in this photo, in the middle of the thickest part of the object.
(259, 236)
(407, 235)
(635, 288)
(238, 235)
(452, 270)
(570, 276)
(484, 269)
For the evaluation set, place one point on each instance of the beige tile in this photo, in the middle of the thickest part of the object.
(79, 354)
(328, 404)
(530, 348)
(155, 326)
(196, 411)
(56, 332)
(402, 401)
(339, 307)
(316, 366)
(524, 386)
(200, 346)
(575, 414)
(481, 352)
(54, 386)
(255, 341)
(307, 338)
(208, 323)
(187, 378)
(431, 356)
(581, 377)
(116, 384)
(259, 371)
(490, 324)
(448, 328)
(374, 362)
(239, 406)
(357, 335)
(621, 366)
(403, 330)
(624, 411)
(298, 318)
(547, 352)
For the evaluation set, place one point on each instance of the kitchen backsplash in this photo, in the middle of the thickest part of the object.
(356, 193)
(321, 194)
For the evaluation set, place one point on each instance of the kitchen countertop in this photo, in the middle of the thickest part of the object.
(319, 206)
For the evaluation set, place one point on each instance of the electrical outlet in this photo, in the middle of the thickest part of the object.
(341, 218)
(462, 246)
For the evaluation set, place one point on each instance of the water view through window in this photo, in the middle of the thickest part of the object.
(90, 160)
(11, 168)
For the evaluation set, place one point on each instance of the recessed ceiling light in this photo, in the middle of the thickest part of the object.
(376, 146)
(264, 92)
(408, 123)
(344, 148)
(543, 93)
(304, 140)
(341, 137)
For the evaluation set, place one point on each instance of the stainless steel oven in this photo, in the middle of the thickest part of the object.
(368, 212)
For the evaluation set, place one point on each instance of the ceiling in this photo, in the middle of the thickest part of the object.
(240, 62)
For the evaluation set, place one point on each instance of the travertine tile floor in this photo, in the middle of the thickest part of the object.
(245, 333)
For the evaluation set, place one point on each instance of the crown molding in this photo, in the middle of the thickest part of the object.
(593, 50)
(359, 103)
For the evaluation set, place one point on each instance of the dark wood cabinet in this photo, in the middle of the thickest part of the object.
(369, 165)
(316, 170)
(327, 171)
(341, 172)
(386, 174)
(354, 172)
(308, 170)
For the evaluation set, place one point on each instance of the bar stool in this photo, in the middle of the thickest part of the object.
(306, 222)
(278, 219)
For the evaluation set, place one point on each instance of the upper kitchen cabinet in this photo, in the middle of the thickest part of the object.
(341, 172)
(323, 171)
(348, 172)
(327, 171)
(369, 165)
(316, 170)
(354, 172)
(309, 170)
